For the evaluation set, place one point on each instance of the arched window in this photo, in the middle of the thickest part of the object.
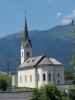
(49, 76)
(25, 78)
(30, 78)
(22, 54)
(44, 77)
(58, 74)
(20, 78)
(38, 76)
(58, 81)
(27, 54)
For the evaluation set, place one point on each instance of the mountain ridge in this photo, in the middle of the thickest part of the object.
(55, 42)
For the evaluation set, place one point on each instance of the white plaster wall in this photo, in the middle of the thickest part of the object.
(54, 70)
(45, 69)
(22, 56)
(27, 83)
(13, 81)
(60, 70)
(24, 50)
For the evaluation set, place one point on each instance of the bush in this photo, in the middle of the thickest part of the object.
(72, 94)
(4, 82)
(48, 92)
(3, 85)
(36, 94)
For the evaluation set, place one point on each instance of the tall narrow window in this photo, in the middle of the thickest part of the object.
(22, 53)
(27, 54)
(25, 78)
(49, 76)
(20, 79)
(38, 76)
(58, 75)
(58, 81)
(44, 77)
(30, 78)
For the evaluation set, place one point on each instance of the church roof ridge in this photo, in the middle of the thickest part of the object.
(40, 60)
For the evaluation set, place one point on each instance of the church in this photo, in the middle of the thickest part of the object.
(34, 72)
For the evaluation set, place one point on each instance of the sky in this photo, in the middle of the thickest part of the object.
(41, 14)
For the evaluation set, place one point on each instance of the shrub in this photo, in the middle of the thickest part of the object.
(72, 94)
(3, 85)
(36, 94)
(47, 92)
(4, 82)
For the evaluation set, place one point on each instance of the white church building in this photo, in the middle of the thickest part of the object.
(39, 70)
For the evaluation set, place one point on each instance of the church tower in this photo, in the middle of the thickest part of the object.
(26, 46)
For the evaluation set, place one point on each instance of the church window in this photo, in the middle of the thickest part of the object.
(27, 45)
(30, 78)
(44, 77)
(27, 54)
(20, 79)
(58, 75)
(49, 76)
(25, 78)
(22, 53)
(38, 76)
(58, 81)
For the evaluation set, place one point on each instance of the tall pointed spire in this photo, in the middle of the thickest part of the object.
(25, 37)
(26, 46)
(26, 30)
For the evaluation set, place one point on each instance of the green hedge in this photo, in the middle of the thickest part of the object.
(5, 82)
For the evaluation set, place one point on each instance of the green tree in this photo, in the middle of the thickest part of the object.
(4, 82)
(72, 94)
(68, 74)
(36, 94)
(73, 54)
(3, 85)
(47, 92)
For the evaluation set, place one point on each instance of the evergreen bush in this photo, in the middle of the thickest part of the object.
(47, 92)
(4, 82)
